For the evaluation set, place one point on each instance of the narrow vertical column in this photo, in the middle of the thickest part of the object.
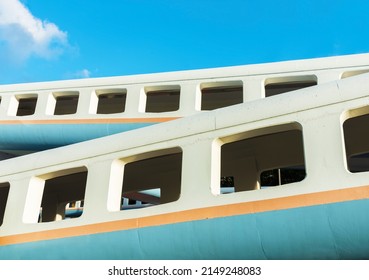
(133, 100)
(100, 182)
(200, 171)
(41, 105)
(50, 209)
(324, 148)
(253, 89)
(188, 98)
(4, 106)
(328, 76)
(23, 205)
(10, 105)
(60, 211)
(84, 101)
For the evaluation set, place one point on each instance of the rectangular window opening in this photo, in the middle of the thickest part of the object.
(215, 97)
(63, 196)
(4, 192)
(111, 101)
(162, 99)
(277, 86)
(152, 181)
(266, 160)
(66, 103)
(357, 143)
(26, 105)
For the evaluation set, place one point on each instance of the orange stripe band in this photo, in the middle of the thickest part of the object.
(290, 202)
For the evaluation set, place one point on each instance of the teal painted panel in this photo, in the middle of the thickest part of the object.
(332, 231)
(39, 137)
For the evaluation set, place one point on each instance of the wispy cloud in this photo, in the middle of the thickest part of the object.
(23, 35)
(80, 74)
(85, 73)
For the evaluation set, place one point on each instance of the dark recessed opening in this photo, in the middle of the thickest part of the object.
(266, 160)
(111, 102)
(26, 106)
(283, 87)
(66, 104)
(163, 100)
(59, 192)
(221, 96)
(357, 143)
(152, 181)
(4, 192)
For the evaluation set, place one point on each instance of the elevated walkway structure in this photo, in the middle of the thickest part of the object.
(274, 167)
(41, 116)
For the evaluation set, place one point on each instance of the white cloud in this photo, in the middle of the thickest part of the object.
(23, 35)
(85, 73)
(80, 74)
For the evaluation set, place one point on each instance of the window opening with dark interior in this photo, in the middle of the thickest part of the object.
(111, 101)
(357, 141)
(4, 192)
(152, 180)
(219, 95)
(26, 105)
(162, 99)
(275, 86)
(66, 103)
(272, 158)
(62, 194)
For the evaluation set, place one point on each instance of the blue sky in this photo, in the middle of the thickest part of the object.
(44, 40)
